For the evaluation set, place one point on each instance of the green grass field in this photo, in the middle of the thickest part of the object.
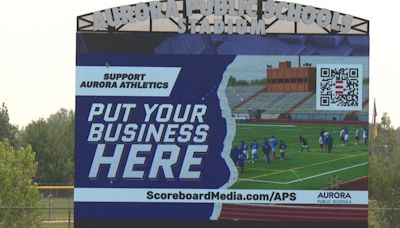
(57, 216)
(57, 225)
(58, 208)
(307, 170)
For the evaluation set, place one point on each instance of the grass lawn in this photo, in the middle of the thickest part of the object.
(58, 208)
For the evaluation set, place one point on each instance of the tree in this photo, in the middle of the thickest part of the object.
(386, 140)
(7, 130)
(232, 81)
(386, 124)
(53, 142)
(384, 178)
(17, 168)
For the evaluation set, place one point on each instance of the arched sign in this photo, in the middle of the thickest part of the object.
(207, 112)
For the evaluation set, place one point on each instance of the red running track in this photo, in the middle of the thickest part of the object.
(294, 213)
(338, 213)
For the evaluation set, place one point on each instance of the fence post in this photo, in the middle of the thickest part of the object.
(69, 214)
(392, 220)
(49, 208)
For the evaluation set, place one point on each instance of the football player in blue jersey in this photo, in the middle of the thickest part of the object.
(254, 150)
(267, 150)
(282, 149)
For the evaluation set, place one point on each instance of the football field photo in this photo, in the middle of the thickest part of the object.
(308, 170)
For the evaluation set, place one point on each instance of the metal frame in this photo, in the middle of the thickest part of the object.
(85, 23)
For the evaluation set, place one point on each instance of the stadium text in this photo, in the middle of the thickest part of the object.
(306, 14)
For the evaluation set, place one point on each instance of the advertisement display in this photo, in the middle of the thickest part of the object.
(221, 112)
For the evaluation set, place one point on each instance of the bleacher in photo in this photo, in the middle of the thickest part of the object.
(238, 94)
(274, 102)
(307, 110)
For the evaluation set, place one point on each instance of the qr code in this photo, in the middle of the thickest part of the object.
(339, 87)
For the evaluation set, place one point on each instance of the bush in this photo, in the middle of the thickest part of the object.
(17, 169)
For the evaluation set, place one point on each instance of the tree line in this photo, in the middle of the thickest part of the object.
(42, 153)
(256, 82)
(52, 141)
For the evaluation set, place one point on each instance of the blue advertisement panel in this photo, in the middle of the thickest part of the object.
(239, 114)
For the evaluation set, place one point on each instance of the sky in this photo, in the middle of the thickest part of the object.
(250, 67)
(37, 53)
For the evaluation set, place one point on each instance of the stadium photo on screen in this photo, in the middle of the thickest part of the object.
(287, 142)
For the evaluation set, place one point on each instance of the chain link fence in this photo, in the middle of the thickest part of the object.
(58, 210)
(379, 217)
(58, 206)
